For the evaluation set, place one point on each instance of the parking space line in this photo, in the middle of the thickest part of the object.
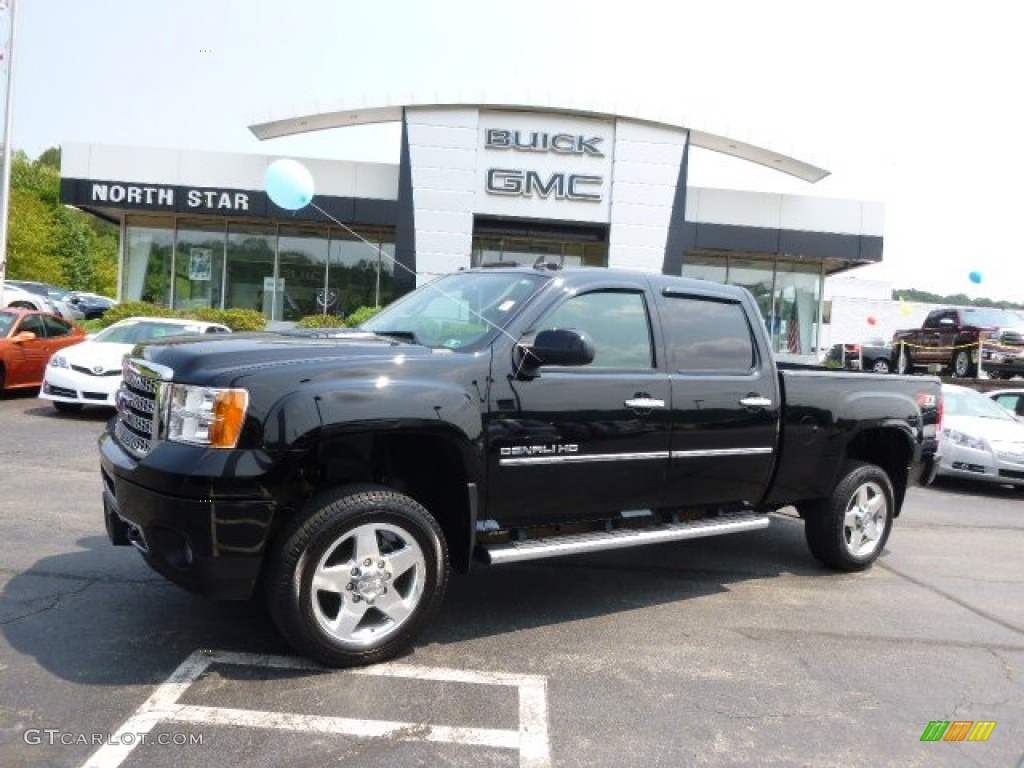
(531, 738)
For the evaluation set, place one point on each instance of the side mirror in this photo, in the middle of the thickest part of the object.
(558, 347)
(23, 336)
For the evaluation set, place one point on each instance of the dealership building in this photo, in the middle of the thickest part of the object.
(474, 183)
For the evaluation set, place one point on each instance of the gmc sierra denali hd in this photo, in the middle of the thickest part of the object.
(494, 415)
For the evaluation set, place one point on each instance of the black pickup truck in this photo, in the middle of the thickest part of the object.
(494, 415)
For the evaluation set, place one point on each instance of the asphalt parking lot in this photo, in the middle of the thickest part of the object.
(733, 651)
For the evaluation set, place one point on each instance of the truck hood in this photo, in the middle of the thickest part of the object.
(200, 359)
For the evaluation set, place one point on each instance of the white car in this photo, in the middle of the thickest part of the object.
(981, 440)
(17, 297)
(90, 373)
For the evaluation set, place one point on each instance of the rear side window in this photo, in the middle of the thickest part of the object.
(705, 336)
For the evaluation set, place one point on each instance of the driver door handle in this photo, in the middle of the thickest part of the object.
(644, 403)
(755, 401)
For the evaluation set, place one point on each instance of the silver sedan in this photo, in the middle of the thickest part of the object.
(981, 439)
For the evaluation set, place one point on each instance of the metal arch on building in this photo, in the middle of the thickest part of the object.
(385, 112)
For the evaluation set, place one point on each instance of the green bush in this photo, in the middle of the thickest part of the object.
(361, 315)
(235, 319)
(321, 321)
(137, 309)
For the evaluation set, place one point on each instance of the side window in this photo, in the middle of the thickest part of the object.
(617, 322)
(932, 321)
(33, 323)
(55, 328)
(704, 335)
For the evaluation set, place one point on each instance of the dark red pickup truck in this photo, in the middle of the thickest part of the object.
(952, 337)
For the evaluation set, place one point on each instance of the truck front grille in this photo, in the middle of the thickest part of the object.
(138, 405)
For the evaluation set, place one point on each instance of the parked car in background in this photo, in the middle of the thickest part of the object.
(27, 339)
(1011, 399)
(873, 355)
(982, 440)
(90, 373)
(950, 338)
(93, 305)
(15, 296)
(60, 297)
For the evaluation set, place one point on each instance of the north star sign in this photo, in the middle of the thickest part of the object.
(530, 183)
(142, 194)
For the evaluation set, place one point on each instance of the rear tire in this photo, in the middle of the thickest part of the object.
(963, 368)
(66, 407)
(881, 365)
(356, 574)
(848, 530)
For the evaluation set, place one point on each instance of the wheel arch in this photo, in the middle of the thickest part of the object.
(889, 447)
(431, 462)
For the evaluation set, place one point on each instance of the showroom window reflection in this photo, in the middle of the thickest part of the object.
(787, 291)
(284, 271)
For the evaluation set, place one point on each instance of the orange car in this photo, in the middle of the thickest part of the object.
(27, 339)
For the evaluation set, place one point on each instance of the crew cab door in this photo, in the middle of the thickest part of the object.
(583, 442)
(725, 400)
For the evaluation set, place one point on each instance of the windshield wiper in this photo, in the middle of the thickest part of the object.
(409, 336)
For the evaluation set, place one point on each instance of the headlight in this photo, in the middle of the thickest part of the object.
(205, 415)
(59, 361)
(967, 440)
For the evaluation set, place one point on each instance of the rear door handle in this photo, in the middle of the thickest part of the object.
(644, 403)
(755, 401)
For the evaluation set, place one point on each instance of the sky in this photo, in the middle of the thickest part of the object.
(912, 104)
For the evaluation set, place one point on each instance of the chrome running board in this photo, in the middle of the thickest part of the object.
(595, 541)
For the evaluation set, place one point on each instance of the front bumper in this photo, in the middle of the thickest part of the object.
(69, 386)
(977, 464)
(1003, 360)
(211, 544)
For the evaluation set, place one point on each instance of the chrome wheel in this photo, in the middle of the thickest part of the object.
(880, 366)
(961, 364)
(367, 584)
(865, 521)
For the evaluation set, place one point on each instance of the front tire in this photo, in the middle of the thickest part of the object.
(848, 530)
(881, 365)
(903, 360)
(356, 575)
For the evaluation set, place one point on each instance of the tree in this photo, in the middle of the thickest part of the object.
(53, 244)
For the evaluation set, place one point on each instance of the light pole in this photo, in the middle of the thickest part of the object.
(7, 16)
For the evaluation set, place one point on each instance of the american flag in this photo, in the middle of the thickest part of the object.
(794, 330)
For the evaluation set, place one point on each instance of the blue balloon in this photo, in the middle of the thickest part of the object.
(289, 184)
(975, 276)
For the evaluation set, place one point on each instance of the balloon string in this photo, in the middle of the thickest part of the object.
(395, 263)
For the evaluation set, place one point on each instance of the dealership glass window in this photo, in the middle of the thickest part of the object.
(199, 264)
(249, 271)
(705, 267)
(530, 250)
(148, 254)
(758, 277)
(361, 272)
(302, 271)
(796, 301)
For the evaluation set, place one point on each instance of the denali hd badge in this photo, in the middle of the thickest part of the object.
(539, 450)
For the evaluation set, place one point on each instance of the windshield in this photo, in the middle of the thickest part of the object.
(959, 402)
(997, 317)
(457, 310)
(6, 321)
(133, 333)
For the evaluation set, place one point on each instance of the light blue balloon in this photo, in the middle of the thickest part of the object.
(975, 276)
(289, 184)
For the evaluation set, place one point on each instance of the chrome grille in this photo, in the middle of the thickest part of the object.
(138, 405)
(1012, 338)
